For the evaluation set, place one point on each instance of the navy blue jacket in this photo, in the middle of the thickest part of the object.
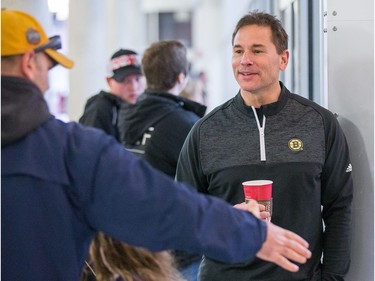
(62, 182)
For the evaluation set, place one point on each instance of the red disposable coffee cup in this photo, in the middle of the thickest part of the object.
(261, 191)
(258, 189)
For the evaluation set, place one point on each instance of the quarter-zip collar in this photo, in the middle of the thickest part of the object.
(268, 109)
(265, 110)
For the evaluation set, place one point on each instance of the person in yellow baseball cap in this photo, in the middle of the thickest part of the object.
(20, 33)
(26, 51)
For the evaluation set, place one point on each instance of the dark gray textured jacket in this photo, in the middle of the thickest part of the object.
(307, 158)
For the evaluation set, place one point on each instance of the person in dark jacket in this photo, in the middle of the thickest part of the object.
(59, 186)
(125, 82)
(156, 126)
(266, 132)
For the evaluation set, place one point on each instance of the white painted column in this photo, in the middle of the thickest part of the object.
(87, 49)
(125, 25)
(96, 30)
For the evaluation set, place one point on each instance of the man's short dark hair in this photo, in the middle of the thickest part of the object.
(279, 35)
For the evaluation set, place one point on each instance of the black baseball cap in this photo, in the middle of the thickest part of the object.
(124, 63)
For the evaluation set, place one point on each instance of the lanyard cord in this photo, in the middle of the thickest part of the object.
(262, 143)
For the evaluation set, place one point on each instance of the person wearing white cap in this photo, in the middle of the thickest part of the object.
(126, 83)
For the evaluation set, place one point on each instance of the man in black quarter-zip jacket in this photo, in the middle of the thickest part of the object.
(266, 132)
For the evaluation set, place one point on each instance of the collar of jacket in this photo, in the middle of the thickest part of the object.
(197, 108)
(23, 108)
(113, 98)
(268, 109)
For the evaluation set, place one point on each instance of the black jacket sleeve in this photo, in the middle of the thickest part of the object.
(337, 195)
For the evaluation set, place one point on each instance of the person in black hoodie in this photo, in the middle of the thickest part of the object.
(156, 126)
(125, 82)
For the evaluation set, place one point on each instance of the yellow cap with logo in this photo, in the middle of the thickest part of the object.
(20, 32)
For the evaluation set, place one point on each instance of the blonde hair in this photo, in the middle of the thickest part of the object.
(111, 259)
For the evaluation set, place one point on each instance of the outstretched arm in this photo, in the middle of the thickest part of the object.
(283, 246)
(280, 245)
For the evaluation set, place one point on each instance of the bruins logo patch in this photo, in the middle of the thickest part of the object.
(295, 145)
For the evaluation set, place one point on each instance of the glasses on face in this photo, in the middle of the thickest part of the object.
(54, 43)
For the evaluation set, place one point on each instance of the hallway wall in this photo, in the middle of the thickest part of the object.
(350, 54)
